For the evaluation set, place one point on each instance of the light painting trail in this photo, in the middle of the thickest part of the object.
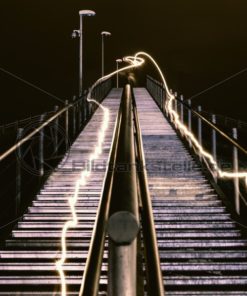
(184, 130)
(135, 62)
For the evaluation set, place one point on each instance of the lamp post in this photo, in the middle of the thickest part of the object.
(118, 61)
(79, 33)
(103, 34)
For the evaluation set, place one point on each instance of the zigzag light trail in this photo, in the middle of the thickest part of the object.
(136, 62)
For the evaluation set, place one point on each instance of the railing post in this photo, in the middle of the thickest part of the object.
(41, 148)
(56, 131)
(85, 106)
(67, 125)
(164, 100)
(199, 109)
(18, 174)
(214, 144)
(161, 93)
(235, 170)
(74, 115)
(189, 119)
(182, 109)
(214, 139)
(79, 106)
(175, 102)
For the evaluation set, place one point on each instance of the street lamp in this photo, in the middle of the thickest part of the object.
(118, 61)
(79, 33)
(103, 34)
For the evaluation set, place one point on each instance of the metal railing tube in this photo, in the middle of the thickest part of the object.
(91, 275)
(155, 284)
(29, 136)
(123, 224)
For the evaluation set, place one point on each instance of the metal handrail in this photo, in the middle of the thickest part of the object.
(29, 136)
(118, 213)
(47, 122)
(154, 275)
(212, 125)
(123, 223)
(158, 92)
(91, 275)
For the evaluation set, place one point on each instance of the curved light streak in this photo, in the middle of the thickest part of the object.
(184, 130)
(134, 62)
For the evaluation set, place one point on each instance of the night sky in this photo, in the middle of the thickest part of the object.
(196, 43)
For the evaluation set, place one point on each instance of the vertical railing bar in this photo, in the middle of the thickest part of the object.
(41, 148)
(235, 170)
(56, 131)
(74, 109)
(18, 174)
(66, 125)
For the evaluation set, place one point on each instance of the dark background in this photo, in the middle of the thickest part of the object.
(196, 43)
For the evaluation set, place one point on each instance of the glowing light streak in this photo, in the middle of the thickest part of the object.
(134, 62)
(184, 130)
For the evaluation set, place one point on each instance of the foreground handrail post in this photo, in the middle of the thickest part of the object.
(18, 174)
(235, 170)
(123, 224)
(41, 148)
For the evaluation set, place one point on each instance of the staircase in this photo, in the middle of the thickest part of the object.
(27, 263)
(201, 249)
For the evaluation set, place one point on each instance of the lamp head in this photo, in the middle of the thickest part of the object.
(119, 60)
(105, 33)
(87, 12)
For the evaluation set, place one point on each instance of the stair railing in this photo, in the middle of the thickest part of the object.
(40, 145)
(118, 215)
(211, 138)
